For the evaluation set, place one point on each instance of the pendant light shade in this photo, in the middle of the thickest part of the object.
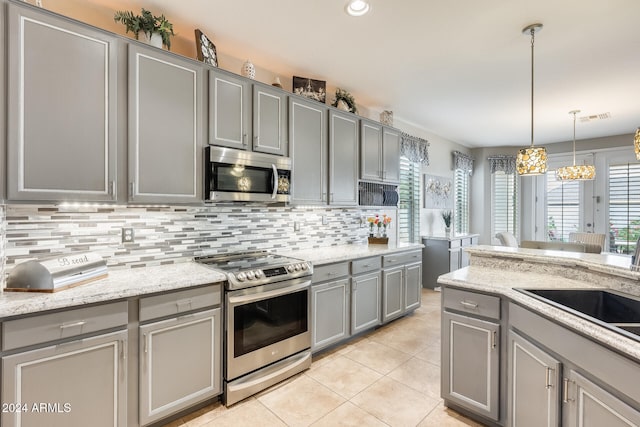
(576, 172)
(636, 143)
(532, 160)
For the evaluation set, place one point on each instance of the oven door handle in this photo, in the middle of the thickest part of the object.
(275, 181)
(262, 295)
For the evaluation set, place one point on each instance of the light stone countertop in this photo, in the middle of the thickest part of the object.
(497, 281)
(332, 254)
(449, 237)
(120, 283)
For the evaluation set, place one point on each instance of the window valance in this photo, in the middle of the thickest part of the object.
(506, 164)
(463, 162)
(415, 149)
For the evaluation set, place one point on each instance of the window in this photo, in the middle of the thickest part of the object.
(504, 203)
(409, 203)
(624, 207)
(563, 208)
(461, 182)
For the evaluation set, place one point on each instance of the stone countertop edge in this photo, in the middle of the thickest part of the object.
(119, 284)
(343, 253)
(492, 281)
(448, 237)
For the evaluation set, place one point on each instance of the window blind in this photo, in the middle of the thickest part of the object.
(409, 201)
(624, 207)
(563, 208)
(504, 203)
(461, 182)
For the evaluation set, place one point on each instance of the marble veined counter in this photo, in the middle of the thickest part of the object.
(119, 284)
(500, 270)
(331, 254)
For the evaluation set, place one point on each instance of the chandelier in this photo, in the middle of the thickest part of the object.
(575, 172)
(532, 160)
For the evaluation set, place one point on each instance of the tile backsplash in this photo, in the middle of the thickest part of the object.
(170, 233)
(2, 246)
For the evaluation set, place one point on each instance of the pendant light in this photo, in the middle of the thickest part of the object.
(575, 172)
(532, 160)
(636, 143)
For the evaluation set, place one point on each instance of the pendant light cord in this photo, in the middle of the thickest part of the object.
(574, 137)
(533, 32)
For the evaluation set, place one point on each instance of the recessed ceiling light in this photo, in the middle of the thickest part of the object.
(357, 7)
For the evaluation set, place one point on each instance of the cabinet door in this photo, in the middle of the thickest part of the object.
(370, 150)
(270, 120)
(366, 291)
(413, 286)
(534, 385)
(391, 155)
(392, 293)
(343, 159)
(61, 109)
(81, 383)
(165, 127)
(454, 259)
(229, 110)
(179, 363)
(587, 404)
(330, 313)
(471, 363)
(308, 127)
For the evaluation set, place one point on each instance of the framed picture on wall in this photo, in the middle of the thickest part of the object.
(205, 49)
(310, 88)
(438, 192)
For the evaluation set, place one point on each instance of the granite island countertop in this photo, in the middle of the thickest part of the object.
(332, 254)
(504, 283)
(119, 284)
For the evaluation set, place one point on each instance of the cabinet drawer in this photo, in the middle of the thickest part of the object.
(401, 258)
(65, 324)
(471, 302)
(179, 302)
(330, 272)
(454, 244)
(364, 265)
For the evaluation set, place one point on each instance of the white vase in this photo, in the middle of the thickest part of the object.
(248, 70)
(155, 40)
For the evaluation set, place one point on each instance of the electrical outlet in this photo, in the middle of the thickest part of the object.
(128, 236)
(325, 220)
(296, 226)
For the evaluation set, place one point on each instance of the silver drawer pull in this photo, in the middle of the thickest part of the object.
(72, 325)
(548, 382)
(366, 265)
(469, 304)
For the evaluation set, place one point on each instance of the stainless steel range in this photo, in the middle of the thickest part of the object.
(267, 319)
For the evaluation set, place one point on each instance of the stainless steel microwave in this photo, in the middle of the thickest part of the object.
(246, 176)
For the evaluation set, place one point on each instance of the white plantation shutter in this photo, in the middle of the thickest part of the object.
(624, 207)
(563, 208)
(409, 203)
(461, 182)
(504, 203)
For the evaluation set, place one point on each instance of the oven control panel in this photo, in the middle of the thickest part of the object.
(275, 274)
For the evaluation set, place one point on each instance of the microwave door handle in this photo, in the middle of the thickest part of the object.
(275, 181)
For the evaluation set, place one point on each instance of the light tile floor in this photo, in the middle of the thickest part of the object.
(387, 377)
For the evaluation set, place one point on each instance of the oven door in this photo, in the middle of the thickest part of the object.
(266, 324)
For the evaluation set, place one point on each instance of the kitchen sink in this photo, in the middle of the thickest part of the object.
(614, 310)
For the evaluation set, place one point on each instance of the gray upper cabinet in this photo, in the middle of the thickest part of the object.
(61, 109)
(165, 127)
(308, 139)
(370, 150)
(229, 110)
(390, 155)
(270, 120)
(343, 159)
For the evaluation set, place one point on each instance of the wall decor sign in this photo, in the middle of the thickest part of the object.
(206, 49)
(310, 88)
(438, 192)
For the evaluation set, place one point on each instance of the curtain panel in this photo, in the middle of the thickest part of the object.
(506, 164)
(415, 149)
(463, 162)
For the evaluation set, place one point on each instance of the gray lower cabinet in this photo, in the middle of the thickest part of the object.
(229, 110)
(62, 104)
(165, 127)
(471, 360)
(413, 286)
(366, 292)
(308, 146)
(179, 363)
(587, 404)
(442, 255)
(66, 368)
(401, 284)
(330, 313)
(270, 120)
(343, 159)
(534, 385)
(392, 293)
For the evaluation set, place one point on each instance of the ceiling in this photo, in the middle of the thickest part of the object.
(458, 69)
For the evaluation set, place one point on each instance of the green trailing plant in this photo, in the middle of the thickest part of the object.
(147, 23)
(446, 217)
(347, 98)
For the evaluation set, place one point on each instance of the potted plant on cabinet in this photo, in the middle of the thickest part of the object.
(153, 27)
(446, 217)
